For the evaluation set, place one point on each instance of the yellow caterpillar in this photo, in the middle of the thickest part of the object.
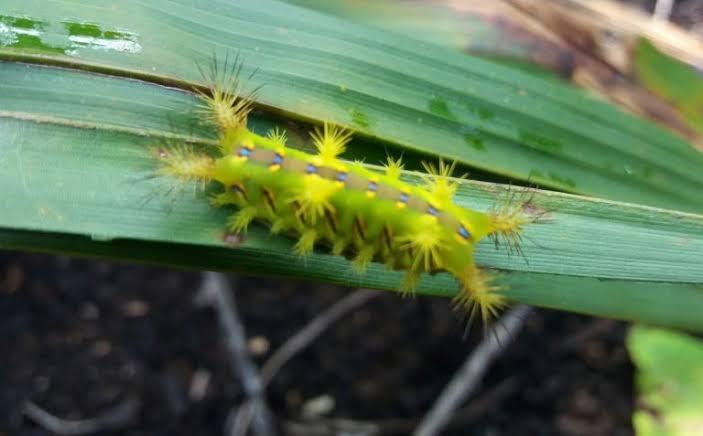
(364, 215)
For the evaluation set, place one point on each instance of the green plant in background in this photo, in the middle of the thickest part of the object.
(669, 380)
(672, 80)
(75, 130)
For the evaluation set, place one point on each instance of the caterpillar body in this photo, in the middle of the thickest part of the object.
(323, 200)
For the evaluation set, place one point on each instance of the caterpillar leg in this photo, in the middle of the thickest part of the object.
(363, 258)
(239, 222)
(478, 295)
(306, 243)
(407, 286)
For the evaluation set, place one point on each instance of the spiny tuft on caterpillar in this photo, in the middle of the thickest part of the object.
(363, 215)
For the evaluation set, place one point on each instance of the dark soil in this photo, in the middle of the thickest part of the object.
(80, 337)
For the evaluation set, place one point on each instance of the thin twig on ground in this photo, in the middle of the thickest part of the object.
(239, 418)
(331, 427)
(592, 330)
(471, 373)
(312, 330)
(118, 417)
(662, 9)
(217, 291)
(404, 426)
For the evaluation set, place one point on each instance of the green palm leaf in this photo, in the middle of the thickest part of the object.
(74, 149)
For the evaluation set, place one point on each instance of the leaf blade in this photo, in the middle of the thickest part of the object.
(407, 93)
